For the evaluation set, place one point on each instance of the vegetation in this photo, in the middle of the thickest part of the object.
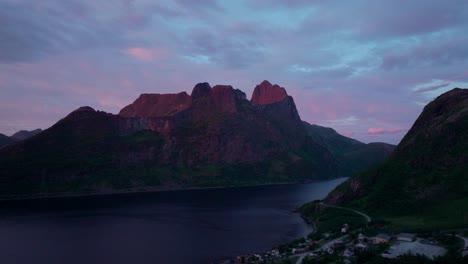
(328, 221)
(424, 186)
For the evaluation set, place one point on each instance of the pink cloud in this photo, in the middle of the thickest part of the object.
(144, 54)
(331, 115)
(127, 83)
(375, 130)
(372, 108)
(348, 134)
(315, 109)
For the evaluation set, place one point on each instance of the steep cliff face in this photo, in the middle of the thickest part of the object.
(266, 93)
(427, 175)
(213, 137)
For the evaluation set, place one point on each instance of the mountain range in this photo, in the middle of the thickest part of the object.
(424, 184)
(213, 137)
(18, 136)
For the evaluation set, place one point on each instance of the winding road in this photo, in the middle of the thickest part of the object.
(328, 244)
(464, 252)
(323, 247)
(368, 218)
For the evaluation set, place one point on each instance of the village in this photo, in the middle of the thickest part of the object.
(352, 244)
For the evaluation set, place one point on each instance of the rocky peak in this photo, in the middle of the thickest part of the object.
(157, 105)
(266, 93)
(225, 97)
(201, 90)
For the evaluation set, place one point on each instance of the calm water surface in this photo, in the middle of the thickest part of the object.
(195, 226)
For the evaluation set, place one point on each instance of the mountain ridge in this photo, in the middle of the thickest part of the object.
(426, 177)
(18, 136)
(213, 137)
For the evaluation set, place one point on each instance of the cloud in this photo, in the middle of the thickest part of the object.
(33, 30)
(144, 54)
(374, 131)
(431, 88)
(227, 51)
(349, 65)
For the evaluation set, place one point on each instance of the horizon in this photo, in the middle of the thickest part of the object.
(365, 69)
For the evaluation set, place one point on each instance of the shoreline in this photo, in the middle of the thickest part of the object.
(137, 190)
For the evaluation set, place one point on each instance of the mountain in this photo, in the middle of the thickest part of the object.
(213, 137)
(425, 181)
(354, 156)
(18, 136)
(24, 134)
(5, 140)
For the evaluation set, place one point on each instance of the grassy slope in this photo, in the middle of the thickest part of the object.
(425, 184)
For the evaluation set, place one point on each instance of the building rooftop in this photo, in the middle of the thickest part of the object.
(384, 236)
(406, 235)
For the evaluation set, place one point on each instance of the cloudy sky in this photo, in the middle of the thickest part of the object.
(364, 68)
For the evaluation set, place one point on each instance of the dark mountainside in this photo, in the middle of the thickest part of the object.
(425, 182)
(354, 156)
(213, 137)
(18, 136)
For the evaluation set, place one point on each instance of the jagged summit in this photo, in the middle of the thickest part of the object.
(266, 93)
(224, 97)
(201, 90)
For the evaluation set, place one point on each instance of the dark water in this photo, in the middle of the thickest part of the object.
(196, 226)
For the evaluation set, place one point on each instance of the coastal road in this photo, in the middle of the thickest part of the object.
(368, 218)
(323, 247)
(328, 244)
(464, 252)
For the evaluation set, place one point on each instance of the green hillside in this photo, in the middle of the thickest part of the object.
(425, 182)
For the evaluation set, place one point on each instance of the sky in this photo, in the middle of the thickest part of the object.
(364, 68)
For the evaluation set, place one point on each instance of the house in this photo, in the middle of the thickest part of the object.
(361, 236)
(344, 228)
(406, 237)
(382, 238)
(349, 252)
(339, 245)
(360, 246)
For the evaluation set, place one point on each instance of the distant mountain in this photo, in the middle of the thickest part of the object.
(24, 134)
(5, 140)
(213, 137)
(353, 156)
(425, 182)
(18, 136)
